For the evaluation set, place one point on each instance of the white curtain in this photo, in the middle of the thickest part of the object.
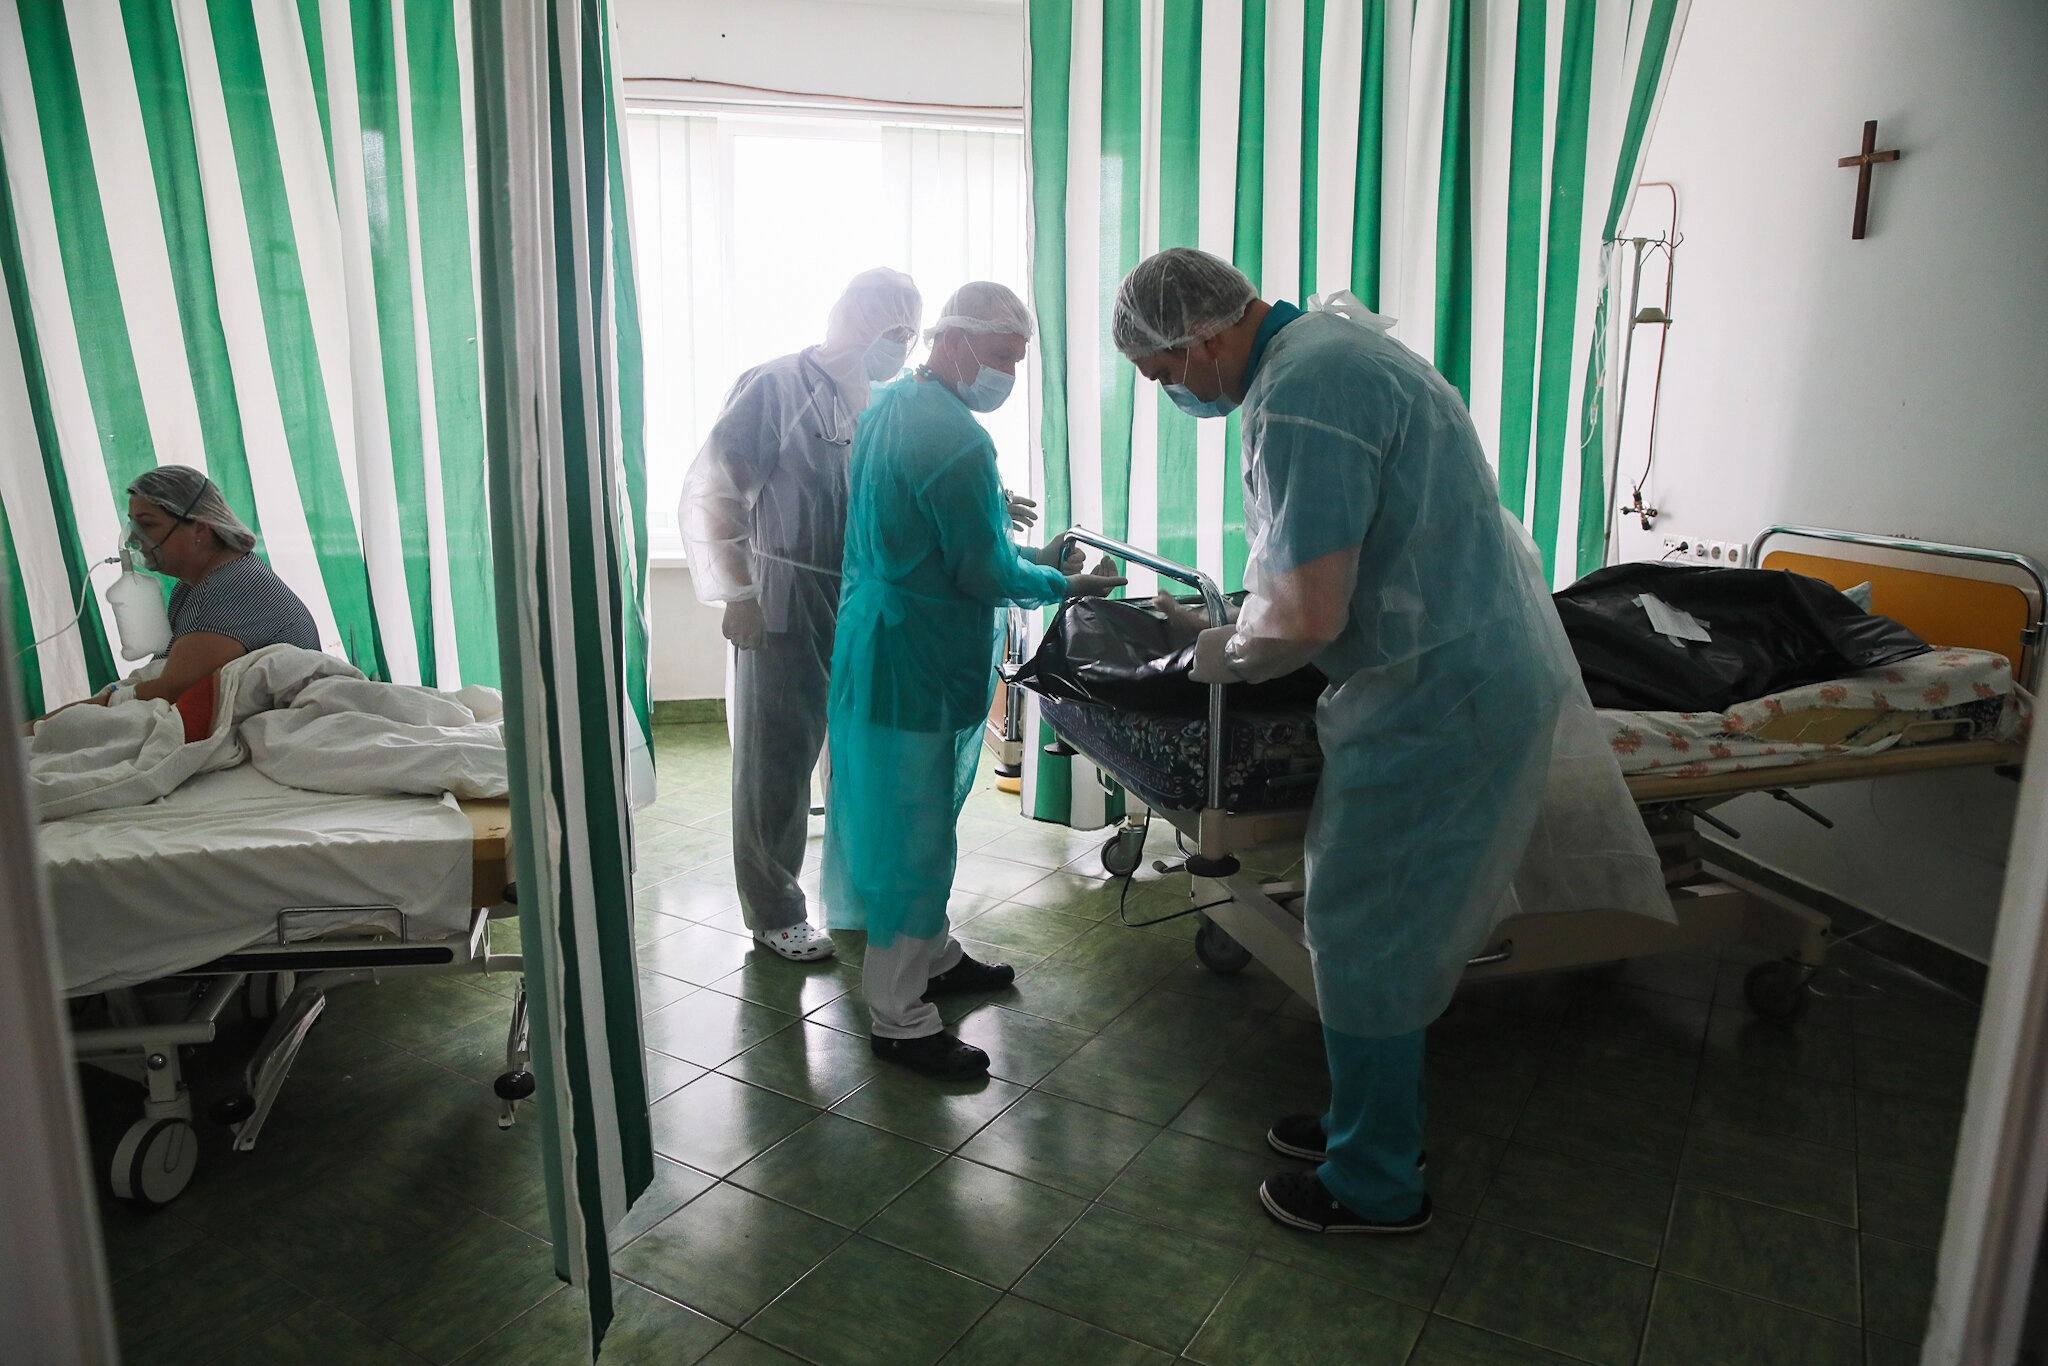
(944, 205)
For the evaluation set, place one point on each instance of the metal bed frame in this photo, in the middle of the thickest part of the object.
(287, 981)
(1244, 917)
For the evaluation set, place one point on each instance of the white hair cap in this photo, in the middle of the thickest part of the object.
(1176, 298)
(188, 495)
(984, 308)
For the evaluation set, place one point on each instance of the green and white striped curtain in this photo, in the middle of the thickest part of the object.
(1457, 164)
(562, 405)
(240, 235)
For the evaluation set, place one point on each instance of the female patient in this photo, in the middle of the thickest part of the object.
(227, 602)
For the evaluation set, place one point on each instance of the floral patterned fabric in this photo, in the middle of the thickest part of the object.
(1272, 761)
(1271, 758)
(1944, 695)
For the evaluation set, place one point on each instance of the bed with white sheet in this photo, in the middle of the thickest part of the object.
(183, 874)
(233, 859)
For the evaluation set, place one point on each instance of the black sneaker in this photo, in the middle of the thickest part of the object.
(1298, 1136)
(1299, 1200)
(1302, 1136)
(941, 1056)
(969, 975)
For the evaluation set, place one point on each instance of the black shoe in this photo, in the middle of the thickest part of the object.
(1302, 1136)
(968, 975)
(1298, 1136)
(1299, 1200)
(941, 1056)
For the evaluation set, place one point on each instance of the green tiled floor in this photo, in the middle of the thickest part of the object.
(1627, 1167)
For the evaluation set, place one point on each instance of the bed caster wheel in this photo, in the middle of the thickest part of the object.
(232, 1110)
(153, 1162)
(266, 993)
(1217, 951)
(1124, 851)
(514, 1086)
(1777, 991)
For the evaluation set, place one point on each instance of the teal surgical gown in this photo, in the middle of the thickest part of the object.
(929, 561)
(1446, 682)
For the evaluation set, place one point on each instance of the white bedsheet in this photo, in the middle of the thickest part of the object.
(145, 891)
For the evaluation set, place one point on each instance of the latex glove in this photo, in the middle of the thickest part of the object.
(1180, 613)
(1023, 511)
(1097, 583)
(744, 624)
(1210, 664)
(1063, 555)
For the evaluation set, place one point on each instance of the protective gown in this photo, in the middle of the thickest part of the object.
(1465, 779)
(763, 515)
(928, 563)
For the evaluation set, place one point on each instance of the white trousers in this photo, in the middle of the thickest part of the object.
(894, 979)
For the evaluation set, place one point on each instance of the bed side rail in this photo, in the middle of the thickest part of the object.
(1212, 602)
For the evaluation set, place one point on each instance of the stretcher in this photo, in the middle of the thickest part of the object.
(1238, 788)
(143, 957)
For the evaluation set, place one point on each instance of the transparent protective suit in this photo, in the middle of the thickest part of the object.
(763, 515)
(928, 563)
(1464, 776)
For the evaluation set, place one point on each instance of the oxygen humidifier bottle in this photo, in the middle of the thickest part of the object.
(138, 602)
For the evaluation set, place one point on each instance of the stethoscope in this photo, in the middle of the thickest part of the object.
(804, 365)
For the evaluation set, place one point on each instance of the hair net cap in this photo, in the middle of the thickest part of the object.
(1176, 298)
(187, 494)
(875, 301)
(984, 308)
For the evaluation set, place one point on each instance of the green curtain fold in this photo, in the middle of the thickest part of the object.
(240, 234)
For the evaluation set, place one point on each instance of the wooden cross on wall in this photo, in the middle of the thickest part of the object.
(1863, 161)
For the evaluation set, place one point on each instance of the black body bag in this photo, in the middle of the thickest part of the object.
(1768, 630)
(1128, 654)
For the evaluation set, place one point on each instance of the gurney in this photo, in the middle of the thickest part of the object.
(1238, 786)
(238, 887)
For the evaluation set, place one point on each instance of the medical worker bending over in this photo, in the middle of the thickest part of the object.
(764, 518)
(1379, 551)
(928, 563)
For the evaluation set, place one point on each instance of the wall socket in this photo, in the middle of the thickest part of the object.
(1715, 554)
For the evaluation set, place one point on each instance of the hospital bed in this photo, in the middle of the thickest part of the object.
(1241, 785)
(236, 886)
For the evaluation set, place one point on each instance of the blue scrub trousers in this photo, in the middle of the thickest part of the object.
(1372, 1134)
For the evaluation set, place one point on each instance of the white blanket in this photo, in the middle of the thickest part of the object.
(303, 718)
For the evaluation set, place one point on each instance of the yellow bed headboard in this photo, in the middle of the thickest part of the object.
(1947, 595)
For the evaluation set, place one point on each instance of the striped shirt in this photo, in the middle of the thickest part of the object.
(246, 602)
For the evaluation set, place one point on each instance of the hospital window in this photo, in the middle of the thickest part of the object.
(747, 228)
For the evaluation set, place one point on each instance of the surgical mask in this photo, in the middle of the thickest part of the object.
(884, 360)
(1184, 398)
(990, 388)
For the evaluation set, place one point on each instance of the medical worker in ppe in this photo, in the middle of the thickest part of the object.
(764, 517)
(1379, 551)
(929, 562)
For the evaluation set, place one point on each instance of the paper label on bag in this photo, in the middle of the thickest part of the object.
(1667, 620)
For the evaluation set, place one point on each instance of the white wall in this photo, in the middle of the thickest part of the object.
(968, 52)
(1896, 384)
(962, 52)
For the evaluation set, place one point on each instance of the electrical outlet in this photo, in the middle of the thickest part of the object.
(1702, 551)
(1737, 556)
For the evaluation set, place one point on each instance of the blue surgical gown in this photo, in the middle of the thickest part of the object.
(929, 561)
(1446, 680)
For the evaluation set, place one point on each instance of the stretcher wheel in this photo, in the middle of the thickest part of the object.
(1777, 991)
(229, 1111)
(1124, 851)
(1217, 951)
(153, 1162)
